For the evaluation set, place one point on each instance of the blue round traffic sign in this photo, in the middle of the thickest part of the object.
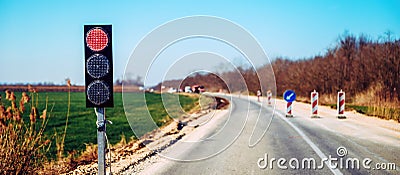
(289, 96)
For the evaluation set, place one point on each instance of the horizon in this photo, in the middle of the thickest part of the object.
(51, 34)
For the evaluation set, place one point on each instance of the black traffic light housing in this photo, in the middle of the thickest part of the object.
(98, 66)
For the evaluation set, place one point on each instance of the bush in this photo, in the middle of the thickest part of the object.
(23, 146)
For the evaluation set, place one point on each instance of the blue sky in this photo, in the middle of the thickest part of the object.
(42, 41)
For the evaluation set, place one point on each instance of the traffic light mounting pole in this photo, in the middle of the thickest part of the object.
(99, 81)
(101, 140)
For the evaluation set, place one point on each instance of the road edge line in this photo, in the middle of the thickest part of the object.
(310, 143)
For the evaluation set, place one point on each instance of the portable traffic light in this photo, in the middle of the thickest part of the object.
(98, 66)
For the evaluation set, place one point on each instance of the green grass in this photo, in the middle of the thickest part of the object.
(82, 121)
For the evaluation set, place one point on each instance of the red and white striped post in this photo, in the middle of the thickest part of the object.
(289, 109)
(314, 104)
(341, 104)
(269, 95)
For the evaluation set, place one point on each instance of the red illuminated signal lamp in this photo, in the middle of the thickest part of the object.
(96, 39)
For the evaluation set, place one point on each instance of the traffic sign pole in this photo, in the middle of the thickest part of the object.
(289, 109)
(101, 140)
(289, 96)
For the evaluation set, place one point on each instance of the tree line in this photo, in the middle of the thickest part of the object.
(356, 64)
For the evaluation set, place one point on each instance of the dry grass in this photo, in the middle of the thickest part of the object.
(327, 98)
(70, 162)
(23, 146)
(61, 140)
(323, 99)
(377, 106)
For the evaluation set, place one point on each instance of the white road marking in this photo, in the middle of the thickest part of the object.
(309, 142)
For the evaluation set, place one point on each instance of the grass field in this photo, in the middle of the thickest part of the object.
(82, 121)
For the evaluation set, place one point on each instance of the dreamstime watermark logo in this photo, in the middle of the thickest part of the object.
(192, 45)
(340, 162)
(341, 151)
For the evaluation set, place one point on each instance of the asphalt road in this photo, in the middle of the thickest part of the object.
(226, 142)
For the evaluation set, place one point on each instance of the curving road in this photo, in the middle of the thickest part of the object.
(299, 139)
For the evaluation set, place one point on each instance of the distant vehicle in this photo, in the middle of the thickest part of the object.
(198, 89)
(172, 90)
(188, 89)
(149, 90)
